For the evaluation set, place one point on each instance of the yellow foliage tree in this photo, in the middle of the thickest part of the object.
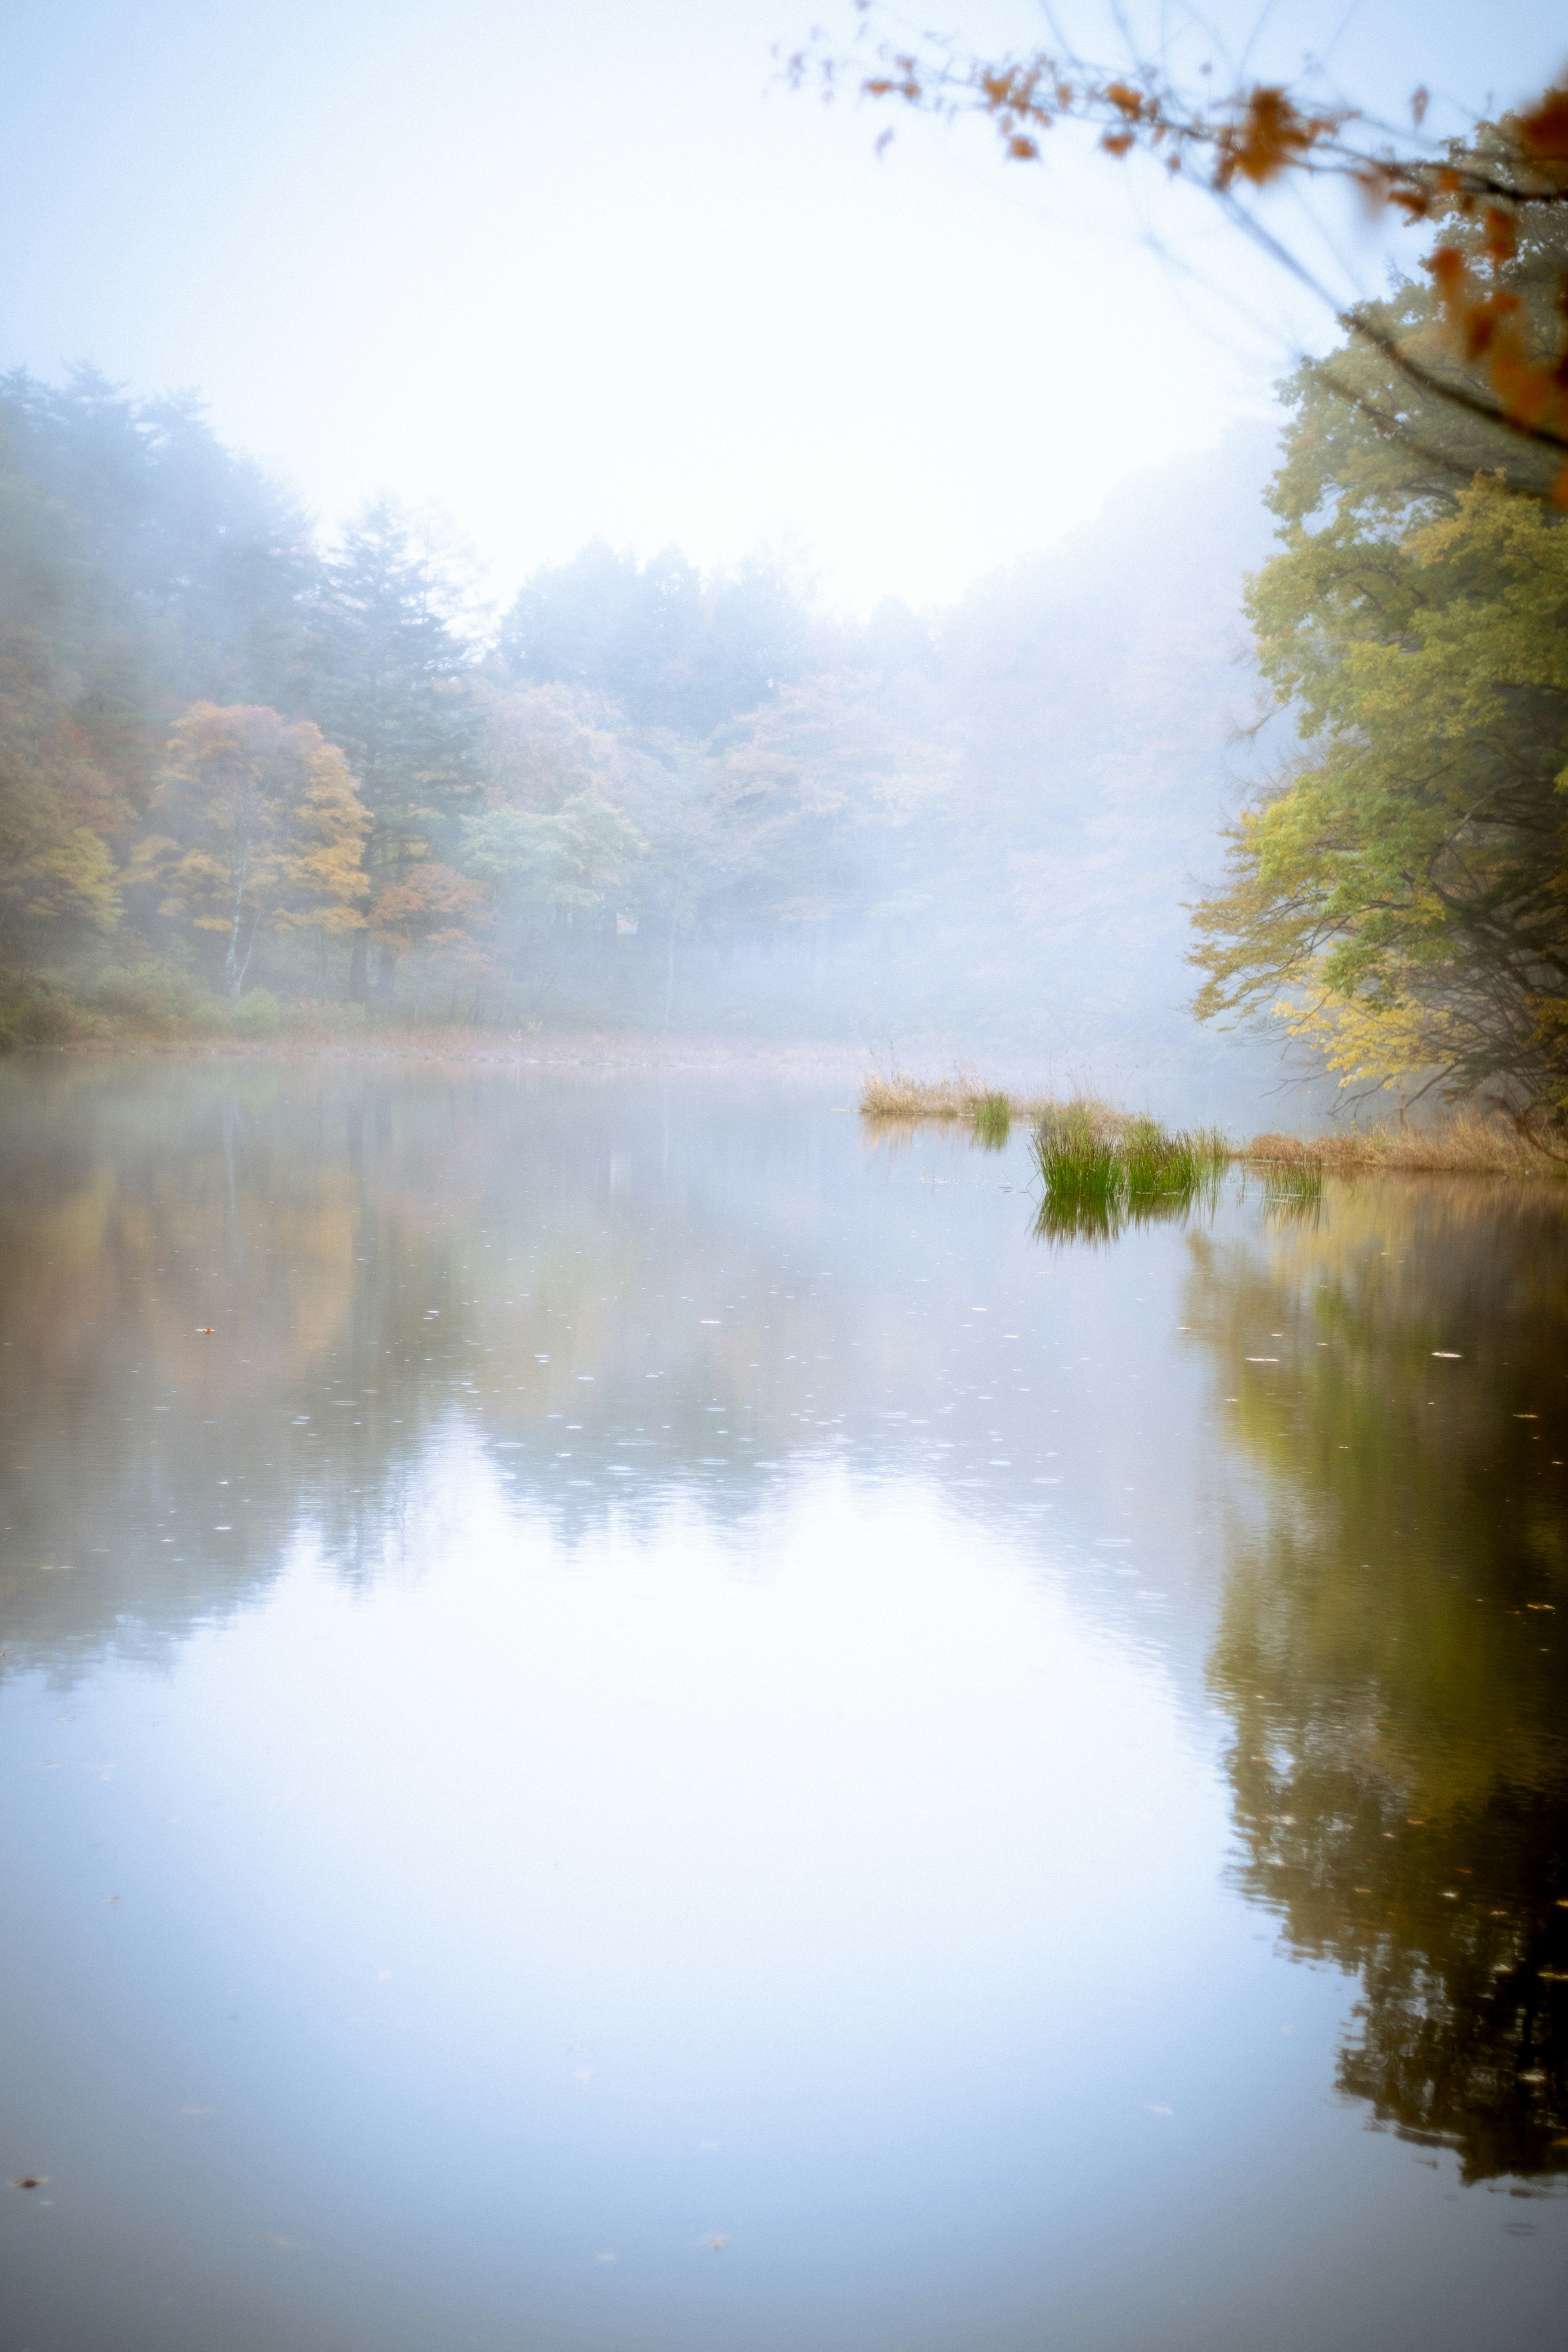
(261, 827)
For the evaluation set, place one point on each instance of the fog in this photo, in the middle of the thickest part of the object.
(757, 589)
(783, 1082)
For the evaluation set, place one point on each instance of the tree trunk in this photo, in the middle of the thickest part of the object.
(359, 968)
(232, 972)
(239, 979)
(386, 970)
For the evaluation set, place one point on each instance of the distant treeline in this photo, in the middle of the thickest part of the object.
(180, 659)
(233, 760)
(240, 769)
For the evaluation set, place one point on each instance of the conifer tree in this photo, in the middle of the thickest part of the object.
(391, 689)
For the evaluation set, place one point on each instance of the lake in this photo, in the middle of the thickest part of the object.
(677, 1736)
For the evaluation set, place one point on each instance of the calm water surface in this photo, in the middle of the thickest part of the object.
(677, 1734)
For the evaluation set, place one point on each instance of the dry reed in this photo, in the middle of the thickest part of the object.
(1465, 1144)
(894, 1095)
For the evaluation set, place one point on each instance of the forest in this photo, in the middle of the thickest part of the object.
(251, 777)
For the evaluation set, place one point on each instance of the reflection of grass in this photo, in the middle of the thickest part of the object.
(1293, 1190)
(993, 1121)
(1101, 1170)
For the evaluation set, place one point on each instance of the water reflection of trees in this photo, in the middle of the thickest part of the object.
(1392, 1645)
(684, 1248)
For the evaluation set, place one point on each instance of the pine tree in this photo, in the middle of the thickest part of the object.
(391, 689)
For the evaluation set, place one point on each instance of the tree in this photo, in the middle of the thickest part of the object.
(669, 648)
(264, 831)
(176, 570)
(57, 873)
(834, 779)
(1400, 898)
(436, 915)
(540, 864)
(391, 690)
(1257, 135)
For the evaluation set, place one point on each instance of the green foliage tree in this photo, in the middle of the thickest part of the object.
(1399, 897)
(540, 863)
(262, 829)
(392, 689)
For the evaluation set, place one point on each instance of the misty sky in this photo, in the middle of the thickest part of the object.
(577, 269)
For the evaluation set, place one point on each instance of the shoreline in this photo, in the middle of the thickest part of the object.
(1466, 1143)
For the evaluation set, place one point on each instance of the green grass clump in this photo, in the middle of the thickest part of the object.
(1080, 1164)
(1101, 1174)
(993, 1122)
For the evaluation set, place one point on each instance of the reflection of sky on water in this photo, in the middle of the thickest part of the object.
(481, 1876)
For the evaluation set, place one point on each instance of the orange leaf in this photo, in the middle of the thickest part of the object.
(1545, 132)
(1502, 238)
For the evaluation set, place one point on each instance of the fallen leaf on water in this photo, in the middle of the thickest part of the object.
(29, 2180)
(205, 1331)
(715, 2244)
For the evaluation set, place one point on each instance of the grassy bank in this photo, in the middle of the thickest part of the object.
(1084, 1133)
(1465, 1144)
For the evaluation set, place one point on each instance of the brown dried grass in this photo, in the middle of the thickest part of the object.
(1468, 1143)
(892, 1094)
